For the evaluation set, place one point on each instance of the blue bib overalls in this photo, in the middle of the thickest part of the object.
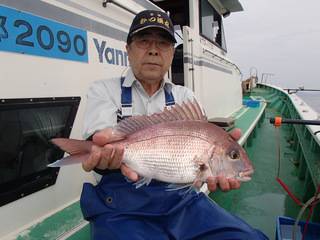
(117, 210)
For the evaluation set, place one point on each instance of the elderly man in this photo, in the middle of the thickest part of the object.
(114, 207)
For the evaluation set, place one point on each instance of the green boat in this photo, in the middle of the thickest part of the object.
(289, 152)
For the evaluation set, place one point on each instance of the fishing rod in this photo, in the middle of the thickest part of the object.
(278, 121)
(295, 90)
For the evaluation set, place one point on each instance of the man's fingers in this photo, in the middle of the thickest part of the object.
(236, 134)
(93, 160)
(106, 136)
(197, 184)
(129, 173)
(116, 157)
(212, 184)
(113, 152)
(103, 158)
(107, 151)
(223, 183)
(102, 137)
(234, 184)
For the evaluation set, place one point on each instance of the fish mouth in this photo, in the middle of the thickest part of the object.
(245, 175)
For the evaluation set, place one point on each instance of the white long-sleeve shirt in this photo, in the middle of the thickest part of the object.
(104, 101)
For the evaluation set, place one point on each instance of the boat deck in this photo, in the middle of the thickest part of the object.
(262, 200)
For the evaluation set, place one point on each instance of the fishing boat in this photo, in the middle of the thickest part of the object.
(52, 50)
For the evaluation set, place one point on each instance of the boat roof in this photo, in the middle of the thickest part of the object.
(225, 7)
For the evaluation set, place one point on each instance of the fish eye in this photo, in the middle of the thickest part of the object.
(234, 154)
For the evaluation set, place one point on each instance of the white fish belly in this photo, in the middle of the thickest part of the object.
(166, 158)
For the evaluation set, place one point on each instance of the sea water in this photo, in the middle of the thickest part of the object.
(312, 99)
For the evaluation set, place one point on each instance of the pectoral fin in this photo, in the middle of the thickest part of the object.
(143, 181)
(203, 165)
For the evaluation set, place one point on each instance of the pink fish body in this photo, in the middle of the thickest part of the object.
(176, 146)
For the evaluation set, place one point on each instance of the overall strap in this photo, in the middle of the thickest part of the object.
(126, 100)
(169, 97)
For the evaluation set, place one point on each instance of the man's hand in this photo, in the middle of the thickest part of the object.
(107, 156)
(222, 182)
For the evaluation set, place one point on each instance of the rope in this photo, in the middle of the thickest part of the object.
(310, 203)
(284, 186)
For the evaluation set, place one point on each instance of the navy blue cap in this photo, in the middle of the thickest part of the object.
(151, 19)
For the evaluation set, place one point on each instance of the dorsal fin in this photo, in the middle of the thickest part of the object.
(185, 111)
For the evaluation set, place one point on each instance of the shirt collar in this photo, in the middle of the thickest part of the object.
(130, 80)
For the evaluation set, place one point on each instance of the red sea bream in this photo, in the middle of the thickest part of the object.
(177, 146)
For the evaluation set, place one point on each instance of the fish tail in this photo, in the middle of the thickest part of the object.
(70, 160)
(79, 151)
(73, 146)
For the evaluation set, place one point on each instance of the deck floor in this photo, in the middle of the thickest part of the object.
(261, 200)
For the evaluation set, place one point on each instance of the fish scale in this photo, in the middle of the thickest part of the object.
(166, 157)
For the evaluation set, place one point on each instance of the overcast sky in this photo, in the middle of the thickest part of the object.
(277, 36)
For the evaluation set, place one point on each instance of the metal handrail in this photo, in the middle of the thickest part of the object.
(295, 90)
(221, 59)
(119, 4)
(192, 62)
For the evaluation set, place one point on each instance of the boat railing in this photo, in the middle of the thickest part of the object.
(302, 139)
(300, 89)
(221, 59)
(119, 4)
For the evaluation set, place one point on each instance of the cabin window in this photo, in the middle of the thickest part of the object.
(26, 127)
(211, 26)
(177, 66)
(179, 14)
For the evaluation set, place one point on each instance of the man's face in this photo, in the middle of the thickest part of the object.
(150, 55)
